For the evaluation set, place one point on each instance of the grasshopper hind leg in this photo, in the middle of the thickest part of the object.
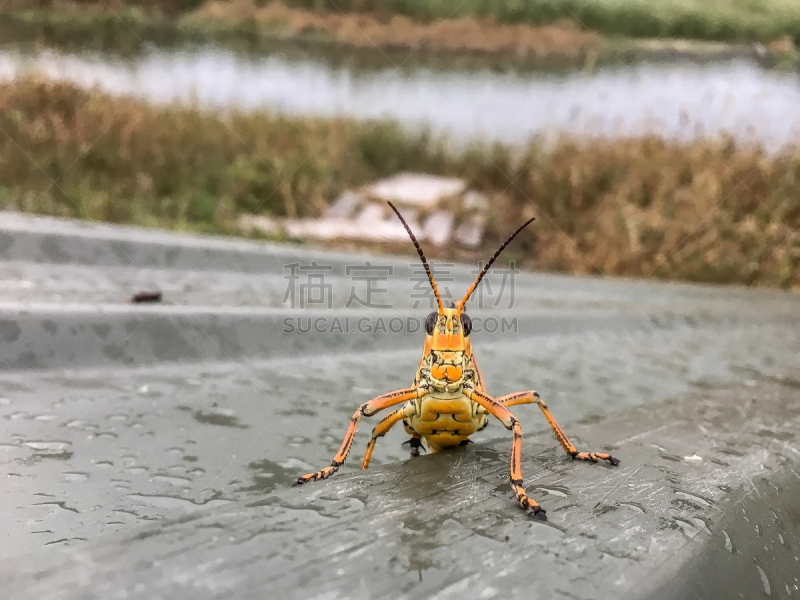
(532, 397)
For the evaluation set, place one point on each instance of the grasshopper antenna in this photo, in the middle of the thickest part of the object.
(488, 265)
(422, 257)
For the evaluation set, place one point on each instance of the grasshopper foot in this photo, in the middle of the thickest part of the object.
(526, 502)
(322, 474)
(539, 513)
(535, 510)
(416, 445)
(594, 457)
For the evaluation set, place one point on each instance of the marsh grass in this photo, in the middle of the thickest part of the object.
(723, 20)
(245, 26)
(729, 20)
(72, 152)
(541, 33)
(708, 210)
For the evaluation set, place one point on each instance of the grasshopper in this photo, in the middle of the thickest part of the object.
(448, 401)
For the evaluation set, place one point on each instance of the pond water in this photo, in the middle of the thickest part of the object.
(677, 100)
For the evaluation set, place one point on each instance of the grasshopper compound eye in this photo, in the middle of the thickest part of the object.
(430, 322)
(466, 324)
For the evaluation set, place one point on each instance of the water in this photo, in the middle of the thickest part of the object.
(677, 100)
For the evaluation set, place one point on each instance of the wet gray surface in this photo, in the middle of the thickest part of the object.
(443, 526)
(681, 100)
(204, 410)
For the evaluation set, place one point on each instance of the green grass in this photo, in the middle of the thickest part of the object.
(720, 20)
(93, 28)
(708, 210)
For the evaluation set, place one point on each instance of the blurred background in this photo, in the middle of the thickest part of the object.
(652, 140)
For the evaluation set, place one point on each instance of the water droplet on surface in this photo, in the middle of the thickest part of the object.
(764, 580)
(553, 491)
(177, 503)
(728, 542)
(634, 506)
(60, 504)
(136, 470)
(45, 447)
(602, 509)
(172, 480)
(693, 499)
(701, 524)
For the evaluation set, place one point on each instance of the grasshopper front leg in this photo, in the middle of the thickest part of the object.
(380, 430)
(367, 409)
(509, 421)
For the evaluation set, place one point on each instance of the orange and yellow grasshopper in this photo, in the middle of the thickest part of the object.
(448, 401)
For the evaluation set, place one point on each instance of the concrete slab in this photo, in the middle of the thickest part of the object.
(362, 214)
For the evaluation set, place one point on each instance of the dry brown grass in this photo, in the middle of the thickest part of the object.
(704, 211)
(444, 35)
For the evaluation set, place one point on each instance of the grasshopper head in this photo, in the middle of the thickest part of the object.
(447, 341)
(447, 329)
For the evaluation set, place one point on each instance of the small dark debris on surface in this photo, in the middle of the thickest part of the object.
(142, 297)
